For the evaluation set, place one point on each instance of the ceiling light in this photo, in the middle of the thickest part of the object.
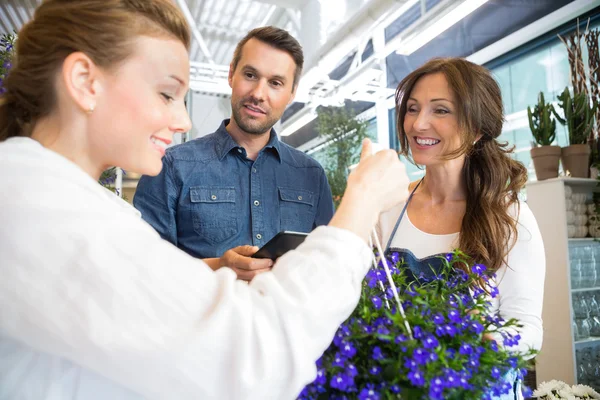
(298, 120)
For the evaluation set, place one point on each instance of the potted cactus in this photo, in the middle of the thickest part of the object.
(579, 119)
(545, 156)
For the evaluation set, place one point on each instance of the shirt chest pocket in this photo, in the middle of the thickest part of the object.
(214, 212)
(297, 209)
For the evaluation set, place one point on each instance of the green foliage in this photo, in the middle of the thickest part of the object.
(344, 133)
(7, 49)
(541, 123)
(579, 115)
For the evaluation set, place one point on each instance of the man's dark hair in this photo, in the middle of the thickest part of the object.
(277, 38)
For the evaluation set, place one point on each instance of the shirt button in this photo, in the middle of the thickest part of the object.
(256, 203)
(254, 170)
(258, 236)
(214, 197)
(239, 150)
(299, 197)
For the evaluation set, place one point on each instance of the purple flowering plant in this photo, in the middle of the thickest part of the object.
(444, 355)
(7, 48)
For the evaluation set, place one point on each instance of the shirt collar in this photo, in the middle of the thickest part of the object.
(225, 142)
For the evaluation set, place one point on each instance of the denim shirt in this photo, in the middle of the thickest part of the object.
(209, 197)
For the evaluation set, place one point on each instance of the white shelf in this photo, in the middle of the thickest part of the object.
(585, 182)
(590, 340)
(585, 239)
(592, 289)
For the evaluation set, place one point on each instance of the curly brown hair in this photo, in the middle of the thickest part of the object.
(493, 179)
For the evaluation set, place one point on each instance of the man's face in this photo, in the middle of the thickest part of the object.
(262, 86)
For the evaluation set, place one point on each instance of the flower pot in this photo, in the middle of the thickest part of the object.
(576, 160)
(545, 161)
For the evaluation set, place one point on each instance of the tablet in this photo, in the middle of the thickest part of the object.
(280, 244)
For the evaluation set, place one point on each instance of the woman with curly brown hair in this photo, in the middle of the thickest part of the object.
(449, 118)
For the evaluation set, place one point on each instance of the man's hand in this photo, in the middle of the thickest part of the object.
(239, 260)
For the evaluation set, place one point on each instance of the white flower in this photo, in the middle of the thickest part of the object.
(566, 394)
(583, 390)
(546, 388)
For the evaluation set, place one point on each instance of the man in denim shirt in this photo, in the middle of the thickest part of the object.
(222, 196)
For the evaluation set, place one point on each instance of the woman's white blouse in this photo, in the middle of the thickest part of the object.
(520, 282)
(95, 305)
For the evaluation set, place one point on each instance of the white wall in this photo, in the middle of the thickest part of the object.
(207, 113)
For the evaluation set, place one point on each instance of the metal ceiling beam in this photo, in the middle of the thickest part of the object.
(195, 31)
(284, 3)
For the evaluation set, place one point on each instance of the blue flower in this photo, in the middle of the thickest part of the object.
(465, 349)
(341, 382)
(473, 362)
(512, 361)
(375, 370)
(395, 388)
(476, 327)
(420, 355)
(438, 381)
(433, 356)
(478, 269)
(410, 364)
(339, 360)
(417, 332)
(494, 292)
(430, 342)
(494, 346)
(347, 349)
(416, 378)
(377, 354)
(452, 378)
(351, 370)
(495, 372)
(321, 377)
(438, 319)
(436, 393)
(449, 257)
(368, 393)
(454, 315)
(382, 330)
(394, 257)
(449, 330)
(376, 302)
(400, 338)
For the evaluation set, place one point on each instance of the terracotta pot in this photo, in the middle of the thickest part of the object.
(576, 160)
(545, 161)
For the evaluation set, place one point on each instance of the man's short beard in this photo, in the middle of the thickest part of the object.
(252, 129)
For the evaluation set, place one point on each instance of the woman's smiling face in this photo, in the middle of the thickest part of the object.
(431, 120)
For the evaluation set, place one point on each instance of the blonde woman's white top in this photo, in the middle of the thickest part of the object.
(94, 305)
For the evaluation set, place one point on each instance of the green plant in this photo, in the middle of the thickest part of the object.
(343, 134)
(541, 123)
(579, 115)
(7, 49)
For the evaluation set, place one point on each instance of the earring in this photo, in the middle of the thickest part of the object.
(91, 109)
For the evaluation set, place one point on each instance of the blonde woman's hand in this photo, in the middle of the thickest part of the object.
(378, 183)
